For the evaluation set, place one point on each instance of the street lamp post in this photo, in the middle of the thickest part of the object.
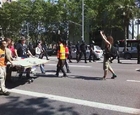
(83, 20)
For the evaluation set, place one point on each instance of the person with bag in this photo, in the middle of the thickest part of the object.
(106, 63)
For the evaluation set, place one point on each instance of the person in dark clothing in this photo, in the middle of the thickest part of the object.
(138, 53)
(83, 51)
(23, 52)
(44, 47)
(70, 51)
(77, 50)
(31, 48)
(92, 55)
(118, 53)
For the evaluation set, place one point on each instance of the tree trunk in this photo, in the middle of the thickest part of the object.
(125, 39)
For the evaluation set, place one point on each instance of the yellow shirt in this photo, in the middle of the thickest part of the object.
(2, 57)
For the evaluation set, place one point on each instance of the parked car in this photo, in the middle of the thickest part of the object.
(98, 52)
(130, 53)
(51, 51)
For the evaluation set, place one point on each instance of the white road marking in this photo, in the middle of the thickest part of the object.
(136, 81)
(71, 65)
(53, 73)
(110, 107)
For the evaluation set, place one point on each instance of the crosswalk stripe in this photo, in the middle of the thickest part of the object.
(136, 81)
(116, 108)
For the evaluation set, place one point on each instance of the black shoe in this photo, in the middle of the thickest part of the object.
(5, 93)
(68, 71)
(114, 76)
(65, 76)
(119, 62)
(56, 75)
(85, 62)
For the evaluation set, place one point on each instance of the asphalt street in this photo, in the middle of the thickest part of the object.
(83, 92)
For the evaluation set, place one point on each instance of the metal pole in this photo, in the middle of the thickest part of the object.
(83, 20)
(28, 37)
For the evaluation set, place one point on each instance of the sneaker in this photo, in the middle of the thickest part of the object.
(114, 76)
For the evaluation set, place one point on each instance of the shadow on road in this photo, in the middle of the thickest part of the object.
(35, 106)
(88, 78)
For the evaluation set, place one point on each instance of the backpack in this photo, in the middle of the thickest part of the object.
(111, 53)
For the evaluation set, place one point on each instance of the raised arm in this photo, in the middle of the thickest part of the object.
(104, 38)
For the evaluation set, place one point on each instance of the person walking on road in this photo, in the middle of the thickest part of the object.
(23, 51)
(70, 51)
(61, 55)
(77, 51)
(92, 55)
(83, 51)
(106, 64)
(39, 51)
(67, 54)
(4, 57)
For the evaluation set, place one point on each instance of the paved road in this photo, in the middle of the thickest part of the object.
(82, 93)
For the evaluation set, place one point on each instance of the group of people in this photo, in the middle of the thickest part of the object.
(9, 51)
(62, 55)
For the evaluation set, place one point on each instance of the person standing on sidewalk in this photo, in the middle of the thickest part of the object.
(61, 55)
(106, 64)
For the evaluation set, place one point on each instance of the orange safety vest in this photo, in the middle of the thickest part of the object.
(2, 58)
(61, 52)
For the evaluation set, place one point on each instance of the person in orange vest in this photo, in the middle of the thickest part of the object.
(61, 55)
(67, 55)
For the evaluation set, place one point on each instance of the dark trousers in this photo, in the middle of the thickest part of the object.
(92, 56)
(77, 55)
(8, 72)
(60, 65)
(81, 54)
(69, 56)
(44, 54)
(67, 66)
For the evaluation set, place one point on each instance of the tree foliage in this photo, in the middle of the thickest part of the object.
(105, 14)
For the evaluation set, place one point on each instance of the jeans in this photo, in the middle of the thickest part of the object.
(42, 68)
